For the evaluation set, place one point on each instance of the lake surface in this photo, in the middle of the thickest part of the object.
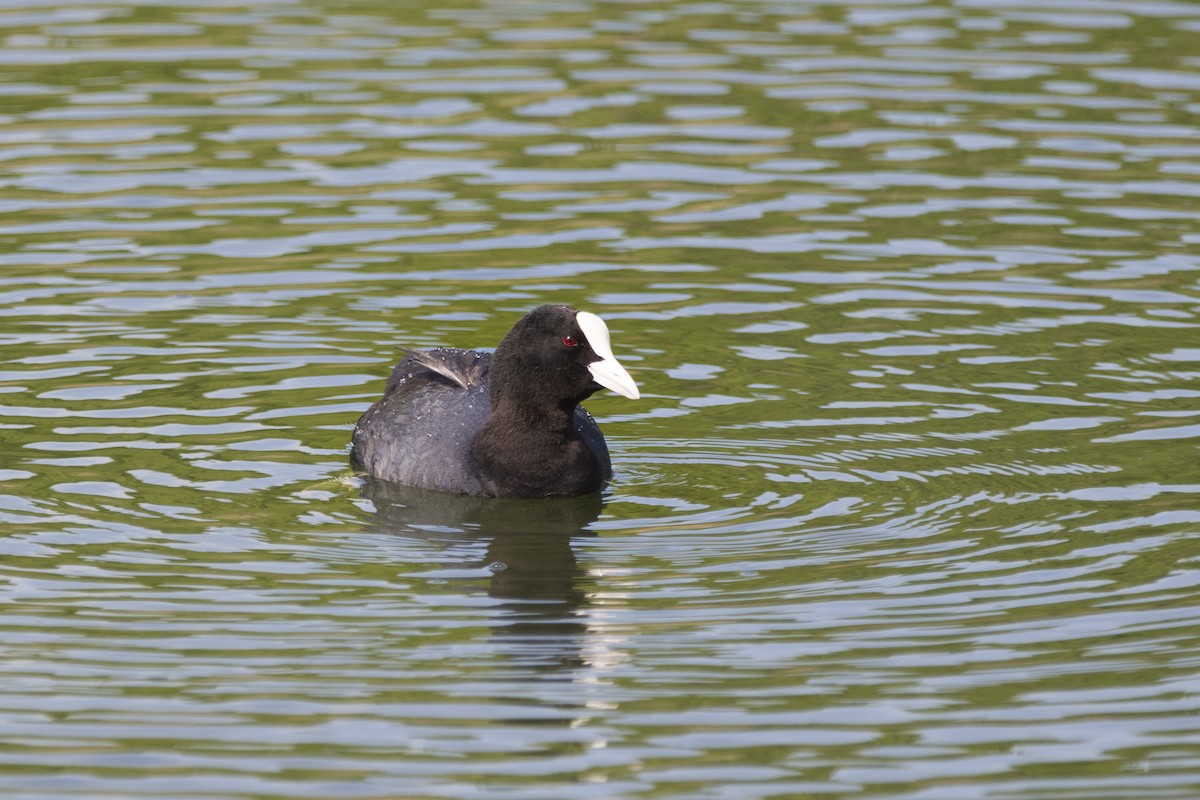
(908, 510)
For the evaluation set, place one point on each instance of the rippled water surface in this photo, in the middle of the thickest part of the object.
(908, 509)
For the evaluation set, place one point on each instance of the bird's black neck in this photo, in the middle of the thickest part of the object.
(535, 449)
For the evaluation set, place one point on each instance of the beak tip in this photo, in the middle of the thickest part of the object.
(627, 389)
(612, 376)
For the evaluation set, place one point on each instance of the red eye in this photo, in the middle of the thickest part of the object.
(570, 341)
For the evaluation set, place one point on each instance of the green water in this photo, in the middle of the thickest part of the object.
(908, 508)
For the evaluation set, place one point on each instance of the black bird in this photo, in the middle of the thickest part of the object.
(506, 424)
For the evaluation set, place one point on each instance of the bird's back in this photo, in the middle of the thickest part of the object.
(419, 433)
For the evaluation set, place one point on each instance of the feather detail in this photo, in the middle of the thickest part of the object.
(465, 369)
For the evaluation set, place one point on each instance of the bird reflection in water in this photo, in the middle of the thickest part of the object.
(530, 555)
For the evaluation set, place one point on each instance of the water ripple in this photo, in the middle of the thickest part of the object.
(906, 509)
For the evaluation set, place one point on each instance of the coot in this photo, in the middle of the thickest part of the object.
(507, 424)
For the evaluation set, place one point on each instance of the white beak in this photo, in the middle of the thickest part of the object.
(607, 372)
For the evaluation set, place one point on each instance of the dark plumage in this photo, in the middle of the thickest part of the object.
(507, 424)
